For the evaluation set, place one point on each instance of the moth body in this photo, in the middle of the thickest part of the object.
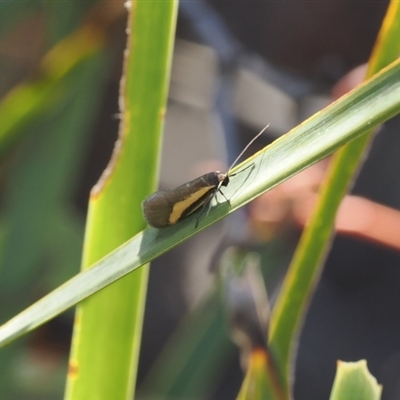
(167, 207)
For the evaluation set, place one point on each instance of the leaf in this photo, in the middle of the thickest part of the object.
(354, 381)
(107, 330)
(366, 107)
(306, 266)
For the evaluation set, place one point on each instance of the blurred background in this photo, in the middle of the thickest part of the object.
(237, 67)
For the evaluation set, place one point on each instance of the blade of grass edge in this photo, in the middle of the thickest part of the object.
(107, 329)
(306, 266)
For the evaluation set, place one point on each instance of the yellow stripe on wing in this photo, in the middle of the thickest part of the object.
(181, 206)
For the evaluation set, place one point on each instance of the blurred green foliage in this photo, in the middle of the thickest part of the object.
(54, 69)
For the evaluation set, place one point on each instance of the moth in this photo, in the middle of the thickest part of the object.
(169, 206)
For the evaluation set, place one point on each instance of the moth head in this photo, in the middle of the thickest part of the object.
(222, 178)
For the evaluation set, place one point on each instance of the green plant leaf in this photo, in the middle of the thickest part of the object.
(261, 381)
(366, 107)
(28, 101)
(51, 131)
(193, 355)
(354, 381)
(306, 265)
(108, 326)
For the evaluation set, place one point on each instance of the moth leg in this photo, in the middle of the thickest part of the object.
(207, 204)
(219, 190)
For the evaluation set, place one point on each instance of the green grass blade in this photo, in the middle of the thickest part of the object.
(354, 381)
(386, 47)
(306, 265)
(259, 383)
(28, 101)
(34, 216)
(356, 113)
(194, 354)
(108, 326)
(40, 181)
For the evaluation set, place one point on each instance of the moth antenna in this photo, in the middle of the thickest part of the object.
(247, 146)
(242, 152)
